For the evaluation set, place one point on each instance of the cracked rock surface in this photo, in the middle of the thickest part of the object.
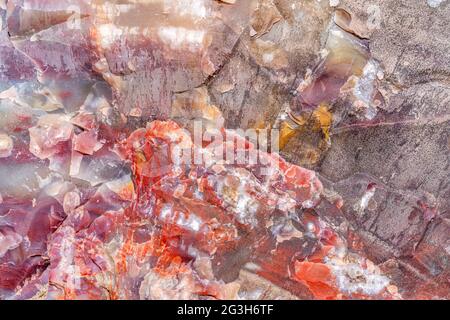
(349, 199)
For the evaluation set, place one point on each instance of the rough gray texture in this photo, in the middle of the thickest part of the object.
(404, 150)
